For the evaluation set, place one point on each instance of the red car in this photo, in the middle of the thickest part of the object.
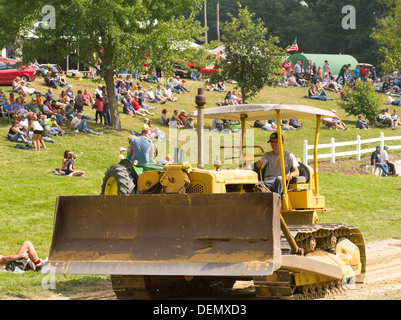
(10, 69)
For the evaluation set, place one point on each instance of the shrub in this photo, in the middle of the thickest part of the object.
(361, 100)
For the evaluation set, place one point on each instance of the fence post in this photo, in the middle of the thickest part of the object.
(305, 156)
(333, 151)
(381, 140)
(358, 147)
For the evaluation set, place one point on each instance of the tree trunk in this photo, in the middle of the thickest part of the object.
(243, 94)
(115, 117)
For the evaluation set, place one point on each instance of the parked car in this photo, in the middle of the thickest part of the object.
(10, 69)
(183, 72)
(53, 68)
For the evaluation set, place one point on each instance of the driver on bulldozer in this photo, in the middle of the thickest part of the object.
(269, 166)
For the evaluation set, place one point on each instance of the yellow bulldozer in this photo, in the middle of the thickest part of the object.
(160, 231)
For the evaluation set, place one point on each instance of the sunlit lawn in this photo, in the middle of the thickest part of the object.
(29, 189)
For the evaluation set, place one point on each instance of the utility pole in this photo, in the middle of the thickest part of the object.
(205, 17)
(218, 21)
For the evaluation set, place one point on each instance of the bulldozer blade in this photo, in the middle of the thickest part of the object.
(160, 234)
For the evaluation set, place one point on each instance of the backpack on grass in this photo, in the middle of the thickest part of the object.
(22, 264)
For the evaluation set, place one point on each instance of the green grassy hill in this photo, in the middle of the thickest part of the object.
(29, 190)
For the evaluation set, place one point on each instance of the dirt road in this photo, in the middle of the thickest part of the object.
(383, 275)
(382, 282)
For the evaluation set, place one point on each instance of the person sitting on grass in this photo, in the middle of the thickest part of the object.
(183, 117)
(292, 81)
(50, 81)
(189, 124)
(8, 109)
(164, 120)
(150, 95)
(63, 164)
(159, 94)
(175, 121)
(49, 111)
(167, 93)
(19, 107)
(361, 123)
(395, 117)
(138, 109)
(155, 132)
(69, 166)
(80, 125)
(331, 122)
(128, 108)
(15, 133)
(50, 122)
(142, 102)
(340, 122)
(266, 127)
(87, 98)
(313, 94)
(384, 118)
(26, 251)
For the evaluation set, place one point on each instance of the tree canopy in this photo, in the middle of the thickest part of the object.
(106, 34)
(254, 60)
(317, 24)
(387, 34)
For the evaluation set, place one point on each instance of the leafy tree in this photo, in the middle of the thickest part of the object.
(388, 36)
(106, 34)
(317, 24)
(361, 100)
(254, 62)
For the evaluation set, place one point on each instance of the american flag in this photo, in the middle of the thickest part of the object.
(294, 46)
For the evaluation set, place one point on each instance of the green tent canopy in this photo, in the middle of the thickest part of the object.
(336, 61)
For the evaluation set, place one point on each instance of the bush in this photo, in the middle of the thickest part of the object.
(361, 100)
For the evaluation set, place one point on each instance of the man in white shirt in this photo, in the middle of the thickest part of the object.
(80, 125)
(384, 158)
(98, 91)
(152, 98)
(168, 94)
(270, 164)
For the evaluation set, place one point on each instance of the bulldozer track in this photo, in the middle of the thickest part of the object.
(283, 286)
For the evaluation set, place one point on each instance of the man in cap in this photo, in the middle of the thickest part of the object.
(183, 117)
(33, 107)
(269, 166)
(49, 124)
(376, 161)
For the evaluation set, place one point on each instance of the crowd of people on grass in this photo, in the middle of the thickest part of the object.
(36, 116)
(321, 80)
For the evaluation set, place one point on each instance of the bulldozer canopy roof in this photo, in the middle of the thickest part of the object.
(263, 112)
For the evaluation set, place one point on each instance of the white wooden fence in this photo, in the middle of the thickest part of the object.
(358, 148)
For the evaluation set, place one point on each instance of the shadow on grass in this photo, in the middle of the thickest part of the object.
(71, 285)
